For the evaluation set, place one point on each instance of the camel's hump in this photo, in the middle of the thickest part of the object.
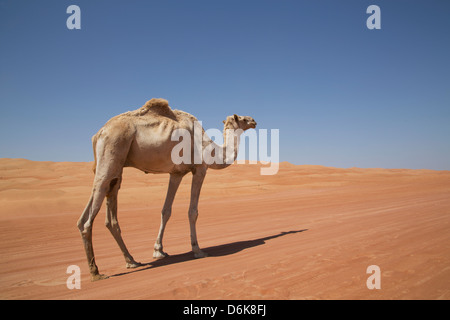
(156, 103)
(158, 106)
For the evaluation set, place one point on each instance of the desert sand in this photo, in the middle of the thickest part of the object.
(308, 232)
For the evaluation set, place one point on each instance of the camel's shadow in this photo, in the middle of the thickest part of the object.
(214, 251)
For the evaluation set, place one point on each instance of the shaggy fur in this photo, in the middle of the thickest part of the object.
(158, 106)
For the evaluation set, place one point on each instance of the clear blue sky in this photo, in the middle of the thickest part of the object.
(342, 95)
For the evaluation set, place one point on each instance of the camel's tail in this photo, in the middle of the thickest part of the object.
(94, 146)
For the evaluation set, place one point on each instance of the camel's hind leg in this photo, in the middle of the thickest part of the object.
(166, 212)
(85, 225)
(108, 173)
(112, 223)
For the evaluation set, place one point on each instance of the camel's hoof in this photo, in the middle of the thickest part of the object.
(134, 264)
(200, 254)
(159, 254)
(95, 277)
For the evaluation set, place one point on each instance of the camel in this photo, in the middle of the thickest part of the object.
(143, 139)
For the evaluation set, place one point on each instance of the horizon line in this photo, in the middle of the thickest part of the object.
(258, 164)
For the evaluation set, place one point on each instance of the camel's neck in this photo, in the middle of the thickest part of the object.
(230, 148)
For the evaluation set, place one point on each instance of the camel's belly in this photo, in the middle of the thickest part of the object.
(151, 152)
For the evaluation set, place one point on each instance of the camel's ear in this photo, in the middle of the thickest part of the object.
(223, 121)
(236, 117)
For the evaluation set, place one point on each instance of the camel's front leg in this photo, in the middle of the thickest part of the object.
(197, 181)
(174, 182)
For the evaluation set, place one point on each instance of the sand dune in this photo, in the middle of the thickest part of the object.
(309, 232)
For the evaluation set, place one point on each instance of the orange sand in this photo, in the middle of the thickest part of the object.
(309, 232)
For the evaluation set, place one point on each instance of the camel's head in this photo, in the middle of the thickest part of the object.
(240, 122)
